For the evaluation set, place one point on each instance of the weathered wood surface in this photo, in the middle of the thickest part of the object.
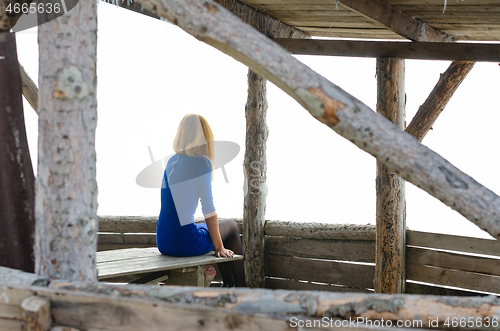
(438, 99)
(449, 260)
(255, 187)
(403, 50)
(110, 241)
(322, 271)
(289, 284)
(390, 187)
(453, 243)
(320, 230)
(134, 261)
(337, 109)
(30, 90)
(66, 188)
(36, 314)
(454, 278)
(14, 276)
(396, 20)
(415, 288)
(4, 19)
(330, 249)
(17, 181)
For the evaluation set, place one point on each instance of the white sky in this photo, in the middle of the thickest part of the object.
(151, 73)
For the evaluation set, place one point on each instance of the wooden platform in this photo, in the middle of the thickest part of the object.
(149, 266)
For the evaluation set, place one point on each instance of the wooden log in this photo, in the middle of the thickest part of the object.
(17, 188)
(429, 111)
(322, 271)
(395, 49)
(390, 187)
(337, 109)
(255, 187)
(30, 90)
(453, 243)
(36, 314)
(344, 250)
(15, 276)
(66, 196)
(320, 230)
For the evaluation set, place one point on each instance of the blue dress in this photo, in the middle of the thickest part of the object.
(186, 180)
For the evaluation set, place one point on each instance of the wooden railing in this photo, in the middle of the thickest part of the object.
(341, 257)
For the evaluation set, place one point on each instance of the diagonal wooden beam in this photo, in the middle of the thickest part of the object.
(438, 99)
(397, 20)
(30, 90)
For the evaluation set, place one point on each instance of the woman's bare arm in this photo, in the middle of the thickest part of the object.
(213, 229)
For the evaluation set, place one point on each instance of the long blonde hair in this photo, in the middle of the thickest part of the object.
(194, 137)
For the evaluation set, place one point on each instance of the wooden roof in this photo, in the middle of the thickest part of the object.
(474, 20)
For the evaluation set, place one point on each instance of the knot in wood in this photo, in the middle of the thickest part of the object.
(70, 84)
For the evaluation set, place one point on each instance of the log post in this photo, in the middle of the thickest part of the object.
(391, 203)
(17, 181)
(36, 314)
(66, 188)
(255, 189)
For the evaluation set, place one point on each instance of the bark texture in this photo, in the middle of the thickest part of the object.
(255, 168)
(66, 189)
(17, 181)
(438, 99)
(337, 109)
(390, 187)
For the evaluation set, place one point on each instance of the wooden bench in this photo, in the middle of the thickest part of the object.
(149, 266)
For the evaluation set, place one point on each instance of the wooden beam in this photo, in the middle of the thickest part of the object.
(390, 188)
(337, 109)
(395, 49)
(396, 20)
(255, 170)
(17, 180)
(66, 196)
(438, 99)
(36, 314)
(30, 90)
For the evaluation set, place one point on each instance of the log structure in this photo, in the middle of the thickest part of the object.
(338, 110)
(429, 111)
(30, 90)
(390, 187)
(255, 187)
(17, 191)
(66, 189)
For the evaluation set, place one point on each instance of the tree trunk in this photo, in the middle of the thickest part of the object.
(66, 189)
(17, 181)
(391, 203)
(255, 168)
(340, 111)
(438, 99)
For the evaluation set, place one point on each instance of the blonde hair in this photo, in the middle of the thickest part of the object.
(194, 137)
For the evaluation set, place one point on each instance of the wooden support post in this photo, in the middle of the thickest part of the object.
(391, 203)
(255, 168)
(66, 189)
(438, 99)
(36, 314)
(30, 90)
(17, 181)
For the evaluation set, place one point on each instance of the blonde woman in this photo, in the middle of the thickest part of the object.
(186, 181)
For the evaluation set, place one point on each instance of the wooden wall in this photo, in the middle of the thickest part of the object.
(341, 257)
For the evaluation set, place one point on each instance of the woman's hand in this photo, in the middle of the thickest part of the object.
(223, 252)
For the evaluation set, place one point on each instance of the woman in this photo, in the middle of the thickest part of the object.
(186, 180)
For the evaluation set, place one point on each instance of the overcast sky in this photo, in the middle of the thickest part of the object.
(151, 73)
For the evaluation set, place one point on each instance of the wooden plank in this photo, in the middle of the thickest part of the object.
(10, 311)
(14, 276)
(10, 325)
(317, 230)
(126, 254)
(288, 284)
(36, 314)
(30, 90)
(125, 240)
(453, 278)
(390, 187)
(406, 50)
(416, 288)
(453, 243)
(350, 33)
(322, 271)
(477, 264)
(154, 263)
(346, 250)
